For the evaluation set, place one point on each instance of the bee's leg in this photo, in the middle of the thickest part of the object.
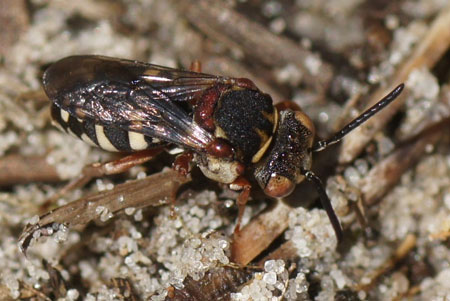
(196, 66)
(242, 184)
(96, 170)
(182, 164)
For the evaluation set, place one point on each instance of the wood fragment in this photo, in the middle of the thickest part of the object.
(155, 190)
(287, 252)
(14, 21)
(56, 281)
(387, 173)
(126, 291)
(5, 293)
(97, 170)
(19, 169)
(256, 236)
(442, 235)
(94, 10)
(217, 284)
(220, 22)
(27, 292)
(402, 250)
(414, 290)
(426, 54)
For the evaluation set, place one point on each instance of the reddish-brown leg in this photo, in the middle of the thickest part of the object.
(96, 170)
(182, 163)
(243, 184)
(196, 66)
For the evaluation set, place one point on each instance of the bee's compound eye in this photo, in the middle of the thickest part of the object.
(279, 186)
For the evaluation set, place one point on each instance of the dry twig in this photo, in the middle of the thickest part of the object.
(426, 54)
(18, 169)
(126, 291)
(264, 229)
(217, 284)
(405, 247)
(259, 233)
(220, 22)
(387, 173)
(154, 190)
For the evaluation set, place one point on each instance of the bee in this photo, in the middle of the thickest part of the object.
(226, 126)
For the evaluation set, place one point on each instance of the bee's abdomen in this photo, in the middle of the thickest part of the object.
(107, 137)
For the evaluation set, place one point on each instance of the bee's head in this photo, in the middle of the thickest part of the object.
(289, 159)
(281, 169)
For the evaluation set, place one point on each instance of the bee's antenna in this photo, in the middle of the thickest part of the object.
(326, 203)
(321, 145)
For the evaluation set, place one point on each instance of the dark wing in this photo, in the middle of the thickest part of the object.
(130, 95)
(181, 85)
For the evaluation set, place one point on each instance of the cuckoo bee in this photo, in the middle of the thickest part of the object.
(227, 125)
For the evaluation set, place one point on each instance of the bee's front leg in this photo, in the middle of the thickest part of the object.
(244, 185)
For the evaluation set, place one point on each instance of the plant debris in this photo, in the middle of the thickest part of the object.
(116, 238)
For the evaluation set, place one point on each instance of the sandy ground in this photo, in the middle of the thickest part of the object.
(388, 182)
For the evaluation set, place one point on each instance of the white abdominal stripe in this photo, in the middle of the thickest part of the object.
(109, 138)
